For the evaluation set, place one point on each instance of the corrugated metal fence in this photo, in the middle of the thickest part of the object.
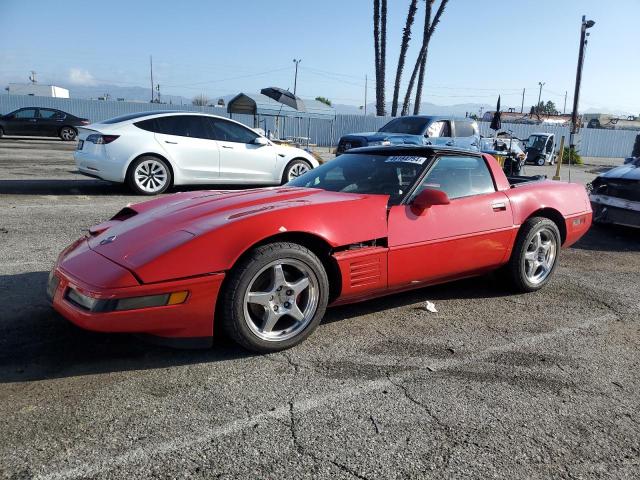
(592, 142)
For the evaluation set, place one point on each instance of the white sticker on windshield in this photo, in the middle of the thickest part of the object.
(406, 159)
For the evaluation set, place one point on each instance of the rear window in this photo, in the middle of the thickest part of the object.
(181, 125)
(408, 125)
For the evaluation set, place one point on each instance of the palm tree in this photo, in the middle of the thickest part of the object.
(376, 46)
(380, 46)
(406, 36)
(429, 28)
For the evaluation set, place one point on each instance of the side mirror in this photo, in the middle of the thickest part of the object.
(261, 141)
(427, 198)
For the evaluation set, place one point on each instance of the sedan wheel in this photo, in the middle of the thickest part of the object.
(274, 297)
(149, 176)
(67, 134)
(295, 169)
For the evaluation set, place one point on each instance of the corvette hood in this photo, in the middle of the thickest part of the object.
(193, 233)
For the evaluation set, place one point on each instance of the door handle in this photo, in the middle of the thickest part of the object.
(33, 119)
(227, 146)
(449, 143)
(499, 206)
(172, 143)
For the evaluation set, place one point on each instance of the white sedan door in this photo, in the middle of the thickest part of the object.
(188, 142)
(241, 160)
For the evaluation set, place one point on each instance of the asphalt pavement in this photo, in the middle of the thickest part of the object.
(541, 385)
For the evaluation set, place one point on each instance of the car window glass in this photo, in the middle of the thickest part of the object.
(458, 177)
(391, 175)
(184, 126)
(50, 114)
(439, 129)
(148, 125)
(27, 113)
(231, 132)
(464, 129)
(408, 125)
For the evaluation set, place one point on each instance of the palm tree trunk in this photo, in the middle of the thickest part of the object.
(406, 36)
(383, 55)
(429, 28)
(423, 65)
(376, 46)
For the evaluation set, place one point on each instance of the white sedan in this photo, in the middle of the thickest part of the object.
(152, 151)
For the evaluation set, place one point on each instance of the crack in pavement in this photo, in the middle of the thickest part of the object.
(314, 402)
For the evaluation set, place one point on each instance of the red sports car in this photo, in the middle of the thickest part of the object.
(266, 262)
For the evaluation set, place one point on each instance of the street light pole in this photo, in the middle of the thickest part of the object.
(586, 24)
(295, 80)
(539, 96)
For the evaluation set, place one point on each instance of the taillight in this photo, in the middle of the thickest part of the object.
(85, 122)
(101, 139)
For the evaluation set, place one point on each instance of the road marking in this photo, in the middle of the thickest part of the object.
(305, 405)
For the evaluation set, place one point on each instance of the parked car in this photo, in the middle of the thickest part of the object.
(541, 148)
(41, 122)
(417, 130)
(615, 195)
(153, 150)
(265, 263)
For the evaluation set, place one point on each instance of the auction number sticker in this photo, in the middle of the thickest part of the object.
(406, 159)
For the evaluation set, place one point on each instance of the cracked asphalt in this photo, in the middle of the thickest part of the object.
(543, 385)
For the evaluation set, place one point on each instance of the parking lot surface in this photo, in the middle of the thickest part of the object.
(541, 385)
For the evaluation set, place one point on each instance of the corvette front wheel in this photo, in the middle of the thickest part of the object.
(275, 297)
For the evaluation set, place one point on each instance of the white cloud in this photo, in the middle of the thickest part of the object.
(80, 76)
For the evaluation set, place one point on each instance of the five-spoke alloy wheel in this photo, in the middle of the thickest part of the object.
(275, 297)
(535, 255)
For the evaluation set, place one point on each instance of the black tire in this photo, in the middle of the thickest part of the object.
(292, 167)
(540, 161)
(514, 271)
(1, 132)
(68, 134)
(139, 189)
(231, 306)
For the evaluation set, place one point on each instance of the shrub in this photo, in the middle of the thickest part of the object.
(576, 159)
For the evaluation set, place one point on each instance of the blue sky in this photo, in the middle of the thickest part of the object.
(481, 48)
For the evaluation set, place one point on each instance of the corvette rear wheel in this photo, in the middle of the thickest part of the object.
(149, 176)
(275, 297)
(535, 255)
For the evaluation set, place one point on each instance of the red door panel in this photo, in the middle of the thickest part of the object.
(469, 235)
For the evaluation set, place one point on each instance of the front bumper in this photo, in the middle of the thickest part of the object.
(616, 210)
(190, 322)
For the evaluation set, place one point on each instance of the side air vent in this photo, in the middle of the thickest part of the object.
(364, 272)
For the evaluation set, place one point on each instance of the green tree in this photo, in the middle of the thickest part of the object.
(324, 100)
(576, 159)
(548, 108)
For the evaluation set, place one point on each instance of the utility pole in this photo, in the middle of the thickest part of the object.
(365, 95)
(295, 79)
(586, 24)
(564, 109)
(539, 96)
(151, 67)
(522, 106)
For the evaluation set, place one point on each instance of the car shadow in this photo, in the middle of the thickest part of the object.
(92, 187)
(610, 238)
(36, 343)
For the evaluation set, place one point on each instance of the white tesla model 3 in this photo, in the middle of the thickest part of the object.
(152, 151)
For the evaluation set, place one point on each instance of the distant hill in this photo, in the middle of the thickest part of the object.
(426, 108)
(134, 94)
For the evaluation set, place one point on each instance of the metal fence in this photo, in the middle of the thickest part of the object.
(591, 142)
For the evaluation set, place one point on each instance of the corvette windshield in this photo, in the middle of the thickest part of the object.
(390, 175)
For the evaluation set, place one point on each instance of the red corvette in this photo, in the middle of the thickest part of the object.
(266, 262)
